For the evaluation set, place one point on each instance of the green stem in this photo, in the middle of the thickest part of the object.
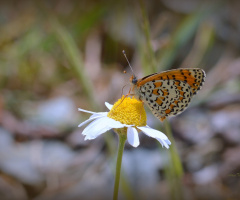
(122, 138)
(175, 158)
(174, 172)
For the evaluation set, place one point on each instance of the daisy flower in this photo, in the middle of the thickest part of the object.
(126, 114)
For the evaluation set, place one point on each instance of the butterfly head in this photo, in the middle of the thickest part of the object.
(133, 79)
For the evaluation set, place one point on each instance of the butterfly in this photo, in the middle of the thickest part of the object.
(168, 93)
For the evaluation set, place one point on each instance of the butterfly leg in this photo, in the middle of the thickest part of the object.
(129, 94)
(123, 88)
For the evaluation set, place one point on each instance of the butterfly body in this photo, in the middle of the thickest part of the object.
(168, 93)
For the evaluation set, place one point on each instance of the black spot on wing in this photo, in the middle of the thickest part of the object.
(147, 76)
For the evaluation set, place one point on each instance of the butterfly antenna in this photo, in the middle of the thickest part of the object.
(124, 53)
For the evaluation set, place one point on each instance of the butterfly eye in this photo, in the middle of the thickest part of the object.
(134, 80)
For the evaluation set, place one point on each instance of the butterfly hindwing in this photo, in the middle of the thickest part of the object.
(169, 93)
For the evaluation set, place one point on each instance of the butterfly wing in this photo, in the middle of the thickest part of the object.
(169, 93)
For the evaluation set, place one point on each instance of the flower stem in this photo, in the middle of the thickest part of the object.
(122, 138)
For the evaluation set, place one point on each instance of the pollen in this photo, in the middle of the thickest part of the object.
(129, 111)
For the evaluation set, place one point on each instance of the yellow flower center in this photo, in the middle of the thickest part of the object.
(129, 111)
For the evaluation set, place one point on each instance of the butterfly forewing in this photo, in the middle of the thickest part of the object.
(169, 93)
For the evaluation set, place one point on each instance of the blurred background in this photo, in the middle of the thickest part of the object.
(56, 56)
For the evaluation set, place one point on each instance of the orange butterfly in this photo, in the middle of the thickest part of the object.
(168, 93)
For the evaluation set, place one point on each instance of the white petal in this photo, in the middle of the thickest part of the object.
(108, 105)
(94, 113)
(99, 114)
(153, 133)
(87, 111)
(99, 126)
(95, 128)
(160, 142)
(89, 120)
(132, 136)
(161, 137)
(163, 143)
(168, 141)
(115, 124)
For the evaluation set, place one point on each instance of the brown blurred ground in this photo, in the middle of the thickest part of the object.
(56, 56)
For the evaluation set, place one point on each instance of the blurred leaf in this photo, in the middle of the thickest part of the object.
(90, 19)
(181, 36)
(75, 59)
(203, 41)
(148, 58)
